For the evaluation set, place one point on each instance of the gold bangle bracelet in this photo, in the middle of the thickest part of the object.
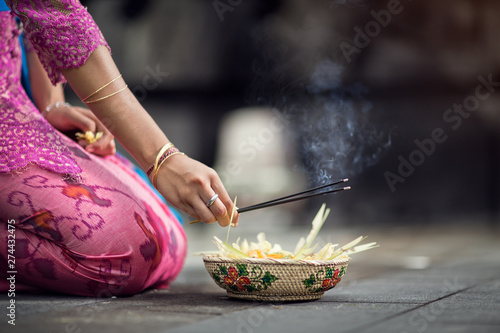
(104, 86)
(155, 172)
(159, 155)
(100, 99)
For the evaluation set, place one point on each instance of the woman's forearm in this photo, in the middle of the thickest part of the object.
(44, 93)
(185, 183)
(122, 114)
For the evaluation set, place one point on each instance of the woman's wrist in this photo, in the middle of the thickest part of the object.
(165, 152)
(52, 106)
(121, 113)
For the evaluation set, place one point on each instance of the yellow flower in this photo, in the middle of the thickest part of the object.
(89, 136)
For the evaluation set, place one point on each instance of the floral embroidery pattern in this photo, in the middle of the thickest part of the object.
(324, 281)
(239, 279)
(62, 32)
(64, 35)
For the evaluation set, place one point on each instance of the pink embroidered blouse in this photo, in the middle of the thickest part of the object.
(63, 35)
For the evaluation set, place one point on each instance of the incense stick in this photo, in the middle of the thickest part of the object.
(297, 194)
(250, 208)
(291, 198)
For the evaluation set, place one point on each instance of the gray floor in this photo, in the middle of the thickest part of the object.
(439, 278)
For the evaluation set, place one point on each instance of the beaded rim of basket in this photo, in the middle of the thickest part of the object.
(275, 279)
(272, 261)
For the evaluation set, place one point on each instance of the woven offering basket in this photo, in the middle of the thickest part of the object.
(275, 279)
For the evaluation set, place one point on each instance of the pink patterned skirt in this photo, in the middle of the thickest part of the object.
(108, 235)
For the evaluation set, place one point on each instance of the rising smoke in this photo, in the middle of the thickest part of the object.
(333, 124)
(338, 135)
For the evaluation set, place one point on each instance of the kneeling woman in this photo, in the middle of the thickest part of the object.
(85, 220)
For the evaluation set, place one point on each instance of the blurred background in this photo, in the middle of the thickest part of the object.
(280, 96)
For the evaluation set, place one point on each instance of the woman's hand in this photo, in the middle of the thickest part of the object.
(63, 117)
(184, 182)
(189, 185)
(69, 118)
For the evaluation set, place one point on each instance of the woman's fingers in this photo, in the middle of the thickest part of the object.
(65, 118)
(220, 207)
(217, 209)
(190, 185)
(215, 212)
(224, 202)
(81, 121)
(104, 145)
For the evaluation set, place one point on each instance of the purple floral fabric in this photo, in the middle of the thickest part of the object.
(108, 235)
(64, 35)
(98, 230)
(62, 32)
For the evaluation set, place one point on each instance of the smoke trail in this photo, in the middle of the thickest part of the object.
(333, 123)
(337, 134)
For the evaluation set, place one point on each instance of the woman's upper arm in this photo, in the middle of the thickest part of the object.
(62, 32)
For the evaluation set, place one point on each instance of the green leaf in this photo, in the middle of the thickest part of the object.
(329, 273)
(353, 243)
(268, 278)
(250, 287)
(309, 282)
(317, 223)
(225, 248)
(223, 270)
(364, 247)
(242, 269)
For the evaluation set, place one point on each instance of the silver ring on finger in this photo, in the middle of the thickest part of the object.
(212, 200)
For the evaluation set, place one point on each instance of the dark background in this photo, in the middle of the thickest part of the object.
(347, 118)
